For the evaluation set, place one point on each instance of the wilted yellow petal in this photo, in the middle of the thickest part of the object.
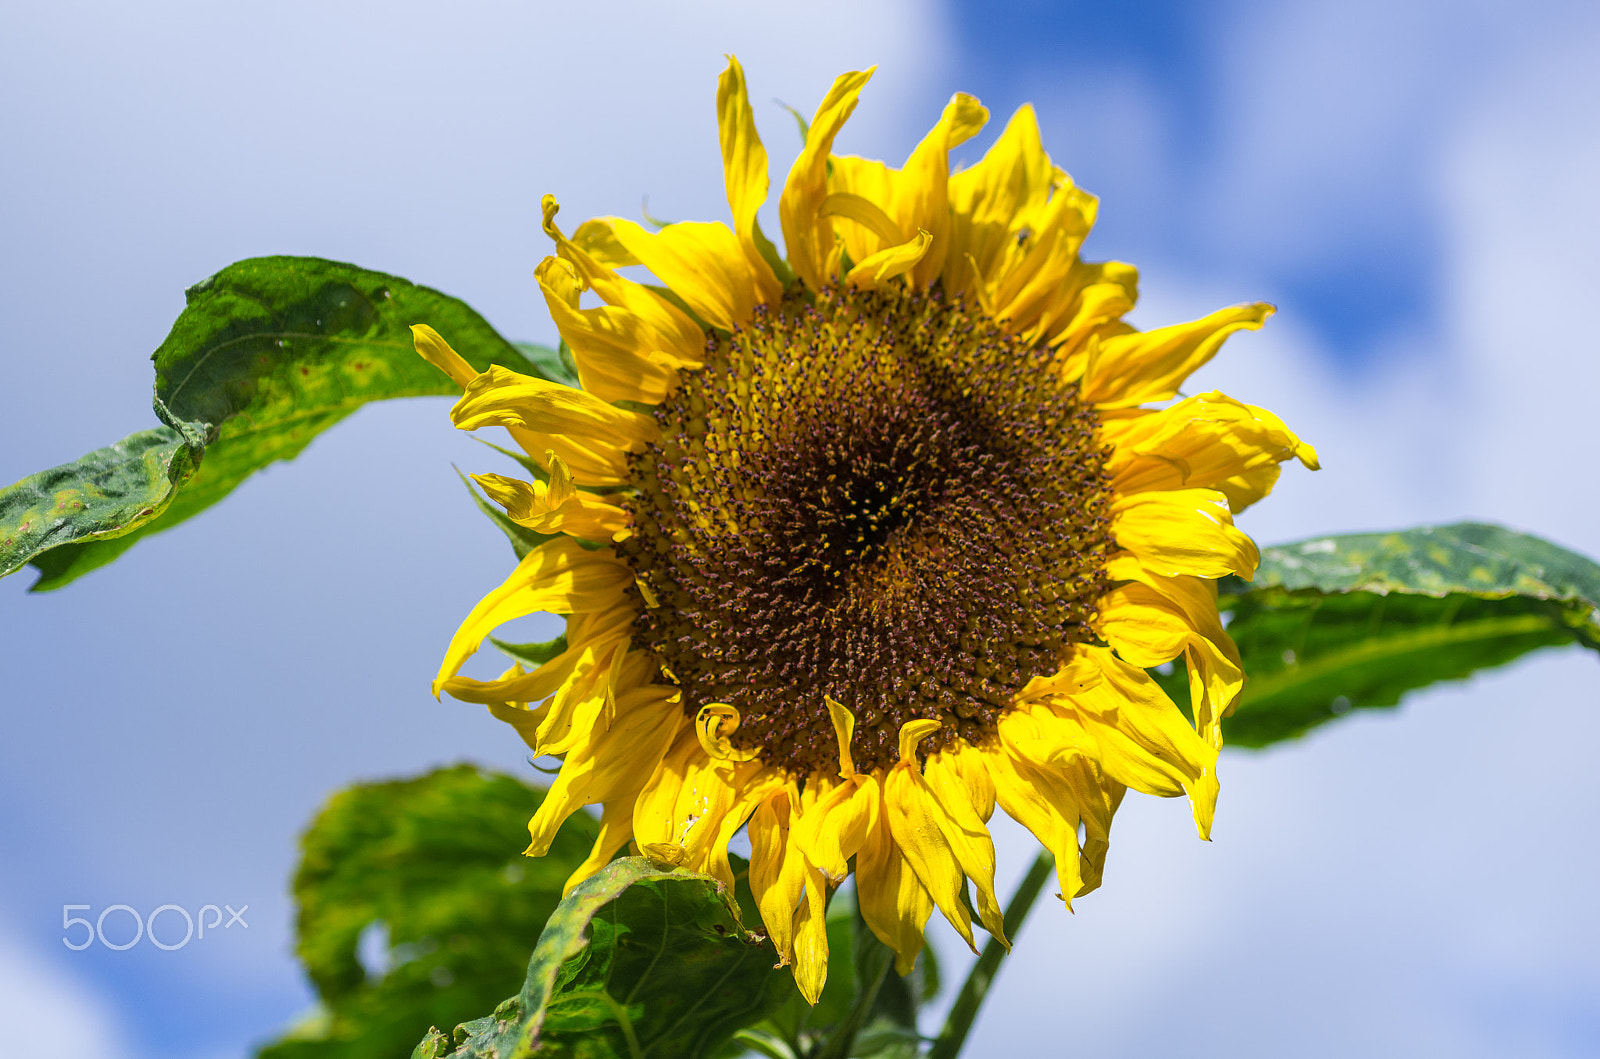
(807, 236)
(436, 351)
(889, 263)
(559, 576)
(701, 263)
(744, 169)
(1147, 366)
(1184, 531)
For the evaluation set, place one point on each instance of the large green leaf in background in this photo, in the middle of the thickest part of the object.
(267, 354)
(436, 863)
(1335, 624)
(638, 961)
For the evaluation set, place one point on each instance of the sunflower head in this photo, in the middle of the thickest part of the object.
(857, 543)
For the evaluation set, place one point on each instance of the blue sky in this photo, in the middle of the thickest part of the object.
(1411, 183)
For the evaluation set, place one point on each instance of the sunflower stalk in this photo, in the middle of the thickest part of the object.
(976, 988)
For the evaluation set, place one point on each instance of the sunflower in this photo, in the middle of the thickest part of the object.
(857, 543)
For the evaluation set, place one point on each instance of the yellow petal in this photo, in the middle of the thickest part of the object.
(777, 869)
(524, 721)
(887, 264)
(922, 199)
(811, 938)
(1041, 802)
(808, 237)
(619, 357)
(1098, 798)
(704, 264)
(1202, 441)
(500, 397)
(963, 768)
(912, 733)
(679, 336)
(1049, 781)
(744, 172)
(598, 462)
(595, 238)
(834, 830)
(1184, 531)
(893, 901)
(558, 576)
(991, 200)
(750, 795)
(1089, 303)
(608, 767)
(918, 823)
(556, 507)
(1245, 489)
(864, 212)
(685, 801)
(1142, 738)
(957, 808)
(591, 637)
(914, 820)
(1016, 225)
(1142, 627)
(862, 190)
(1155, 619)
(1147, 366)
(432, 347)
(844, 727)
(712, 726)
(594, 699)
(1036, 273)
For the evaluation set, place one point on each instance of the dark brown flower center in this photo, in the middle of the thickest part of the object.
(879, 498)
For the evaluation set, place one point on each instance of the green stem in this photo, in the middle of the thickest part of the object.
(962, 1013)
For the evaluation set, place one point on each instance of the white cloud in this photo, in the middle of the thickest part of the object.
(1331, 111)
(48, 1012)
(1519, 182)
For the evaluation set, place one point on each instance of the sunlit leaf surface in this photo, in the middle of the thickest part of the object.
(638, 961)
(267, 354)
(1336, 624)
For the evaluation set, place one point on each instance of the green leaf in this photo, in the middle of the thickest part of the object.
(267, 354)
(554, 364)
(533, 655)
(100, 498)
(437, 862)
(1334, 624)
(638, 961)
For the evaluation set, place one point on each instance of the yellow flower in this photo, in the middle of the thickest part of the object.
(856, 545)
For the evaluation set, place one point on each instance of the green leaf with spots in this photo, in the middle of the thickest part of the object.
(637, 962)
(94, 502)
(267, 354)
(1335, 624)
(435, 866)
